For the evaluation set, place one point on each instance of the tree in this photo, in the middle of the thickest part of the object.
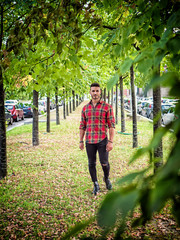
(122, 104)
(135, 140)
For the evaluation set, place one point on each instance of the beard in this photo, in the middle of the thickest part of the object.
(95, 97)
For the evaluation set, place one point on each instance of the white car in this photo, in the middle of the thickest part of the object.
(169, 116)
(42, 106)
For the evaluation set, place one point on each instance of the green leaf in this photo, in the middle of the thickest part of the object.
(78, 227)
(173, 44)
(161, 193)
(126, 65)
(138, 154)
(117, 50)
(112, 81)
(119, 202)
(158, 57)
(167, 79)
(130, 177)
(144, 65)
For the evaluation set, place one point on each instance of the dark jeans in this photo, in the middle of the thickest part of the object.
(91, 150)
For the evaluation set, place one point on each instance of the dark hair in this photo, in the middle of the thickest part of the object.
(95, 85)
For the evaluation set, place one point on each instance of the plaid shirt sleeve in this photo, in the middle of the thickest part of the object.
(110, 118)
(83, 120)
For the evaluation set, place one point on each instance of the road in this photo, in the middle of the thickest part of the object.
(25, 121)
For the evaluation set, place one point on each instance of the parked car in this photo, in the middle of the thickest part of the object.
(42, 106)
(146, 109)
(169, 116)
(52, 104)
(27, 109)
(140, 105)
(16, 112)
(126, 103)
(11, 101)
(164, 109)
(9, 118)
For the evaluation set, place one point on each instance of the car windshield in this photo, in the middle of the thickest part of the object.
(166, 107)
(9, 107)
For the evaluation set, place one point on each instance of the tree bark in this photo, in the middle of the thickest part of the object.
(73, 93)
(158, 152)
(116, 118)
(57, 107)
(3, 155)
(134, 115)
(108, 97)
(105, 94)
(76, 100)
(70, 105)
(67, 106)
(122, 106)
(35, 131)
(112, 97)
(48, 114)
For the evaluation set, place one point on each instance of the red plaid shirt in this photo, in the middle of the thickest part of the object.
(96, 120)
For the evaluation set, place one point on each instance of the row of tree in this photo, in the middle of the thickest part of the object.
(68, 44)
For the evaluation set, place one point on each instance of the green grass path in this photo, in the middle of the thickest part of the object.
(48, 188)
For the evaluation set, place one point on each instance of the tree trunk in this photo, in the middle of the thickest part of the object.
(67, 106)
(134, 115)
(112, 97)
(73, 93)
(105, 94)
(70, 106)
(76, 100)
(57, 107)
(122, 106)
(102, 95)
(158, 152)
(3, 156)
(108, 97)
(48, 114)
(116, 118)
(35, 131)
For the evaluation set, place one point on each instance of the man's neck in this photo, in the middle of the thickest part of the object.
(94, 102)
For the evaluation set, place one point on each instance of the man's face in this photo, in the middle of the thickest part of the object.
(95, 93)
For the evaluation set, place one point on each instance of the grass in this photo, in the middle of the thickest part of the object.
(48, 187)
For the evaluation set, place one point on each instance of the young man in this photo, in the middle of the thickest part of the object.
(96, 118)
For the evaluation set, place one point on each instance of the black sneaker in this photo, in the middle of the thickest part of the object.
(96, 188)
(108, 183)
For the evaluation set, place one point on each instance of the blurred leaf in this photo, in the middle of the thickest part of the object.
(117, 205)
(161, 193)
(112, 81)
(144, 65)
(117, 50)
(78, 227)
(138, 153)
(126, 65)
(130, 177)
(166, 79)
(173, 44)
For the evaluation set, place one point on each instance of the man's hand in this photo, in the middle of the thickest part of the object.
(81, 146)
(109, 146)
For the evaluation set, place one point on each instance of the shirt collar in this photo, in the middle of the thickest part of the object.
(100, 101)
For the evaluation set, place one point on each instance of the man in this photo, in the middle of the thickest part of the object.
(97, 116)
